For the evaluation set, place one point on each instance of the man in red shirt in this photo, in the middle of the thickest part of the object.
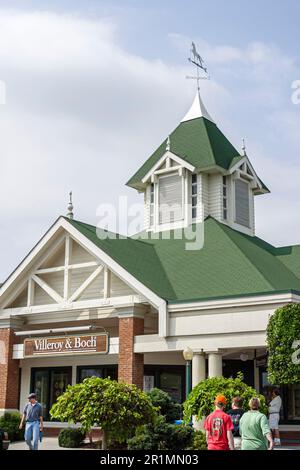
(218, 426)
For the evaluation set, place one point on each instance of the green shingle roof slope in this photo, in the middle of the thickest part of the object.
(229, 264)
(198, 141)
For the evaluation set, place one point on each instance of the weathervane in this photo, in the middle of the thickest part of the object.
(70, 207)
(196, 59)
(244, 147)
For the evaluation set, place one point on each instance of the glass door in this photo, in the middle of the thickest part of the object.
(41, 388)
(49, 384)
(59, 380)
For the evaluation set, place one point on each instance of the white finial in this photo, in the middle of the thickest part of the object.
(197, 110)
(244, 148)
(168, 144)
(70, 207)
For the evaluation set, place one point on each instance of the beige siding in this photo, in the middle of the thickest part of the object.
(94, 290)
(55, 280)
(147, 207)
(205, 193)
(78, 276)
(119, 288)
(79, 255)
(21, 300)
(41, 297)
(57, 259)
(215, 196)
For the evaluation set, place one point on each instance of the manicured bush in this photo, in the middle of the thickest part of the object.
(162, 436)
(9, 423)
(118, 408)
(200, 402)
(71, 437)
(283, 341)
(167, 407)
(199, 441)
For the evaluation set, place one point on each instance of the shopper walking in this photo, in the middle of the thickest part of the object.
(274, 415)
(32, 415)
(236, 413)
(218, 426)
(254, 429)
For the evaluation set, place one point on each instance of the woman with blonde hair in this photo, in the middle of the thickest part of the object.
(254, 428)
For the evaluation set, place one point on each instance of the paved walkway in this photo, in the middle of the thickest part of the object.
(51, 443)
(48, 443)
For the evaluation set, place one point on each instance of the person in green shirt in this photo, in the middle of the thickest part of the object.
(254, 429)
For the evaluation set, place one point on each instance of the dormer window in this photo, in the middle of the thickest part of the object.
(170, 193)
(225, 198)
(151, 204)
(194, 196)
(242, 206)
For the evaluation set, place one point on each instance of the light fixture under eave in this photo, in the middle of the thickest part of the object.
(244, 357)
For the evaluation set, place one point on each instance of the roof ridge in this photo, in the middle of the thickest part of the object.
(260, 247)
(119, 235)
(222, 226)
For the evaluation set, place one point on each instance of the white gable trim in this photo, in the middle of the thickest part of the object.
(246, 160)
(172, 156)
(134, 283)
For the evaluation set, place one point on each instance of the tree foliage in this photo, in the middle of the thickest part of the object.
(283, 339)
(116, 407)
(167, 407)
(200, 402)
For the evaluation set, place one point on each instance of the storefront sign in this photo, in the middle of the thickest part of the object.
(80, 344)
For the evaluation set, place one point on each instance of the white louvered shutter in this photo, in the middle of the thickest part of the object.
(170, 199)
(242, 202)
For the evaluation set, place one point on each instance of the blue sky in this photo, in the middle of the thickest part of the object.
(94, 86)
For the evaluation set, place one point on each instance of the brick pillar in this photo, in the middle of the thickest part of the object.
(131, 365)
(9, 371)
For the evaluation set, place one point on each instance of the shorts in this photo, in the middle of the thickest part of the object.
(273, 420)
(237, 442)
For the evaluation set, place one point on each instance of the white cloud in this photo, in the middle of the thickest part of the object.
(82, 113)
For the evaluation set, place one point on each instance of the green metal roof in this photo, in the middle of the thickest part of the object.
(199, 142)
(230, 264)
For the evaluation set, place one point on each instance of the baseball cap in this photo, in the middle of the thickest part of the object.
(32, 395)
(221, 399)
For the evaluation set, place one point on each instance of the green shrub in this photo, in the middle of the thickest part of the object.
(118, 408)
(283, 334)
(179, 437)
(199, 441)
(200, 402)
(167, 407)
(71, 437)
(161, 436)
(9, 423)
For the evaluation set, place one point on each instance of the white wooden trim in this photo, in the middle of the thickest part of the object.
(86, 284)
(246, 160)
(156, 301)
(68, 250)
(107, 283)
(27, 261)
(172, 156)
(56, 269)
(30, 292)
(234, 302)
(109, 303)
(88, 264)
(55, 296)
(128, 278)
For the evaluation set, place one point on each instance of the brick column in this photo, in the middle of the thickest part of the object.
(131, 364)
(9, 371)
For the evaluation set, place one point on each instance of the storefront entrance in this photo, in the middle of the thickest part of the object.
(49, 384)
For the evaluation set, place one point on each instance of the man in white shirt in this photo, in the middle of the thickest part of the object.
(274, 415)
